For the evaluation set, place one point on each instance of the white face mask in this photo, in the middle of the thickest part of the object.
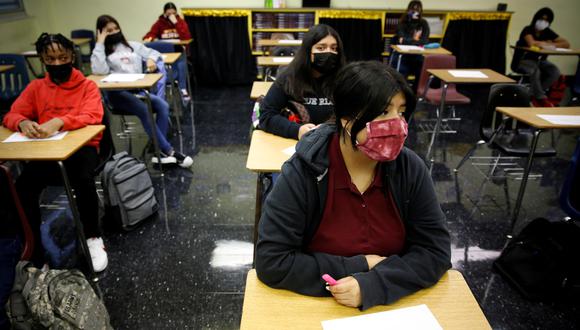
(541, 24)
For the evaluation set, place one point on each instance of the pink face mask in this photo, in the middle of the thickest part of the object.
(385, 139)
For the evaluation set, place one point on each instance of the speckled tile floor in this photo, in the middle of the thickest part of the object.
(188, 270)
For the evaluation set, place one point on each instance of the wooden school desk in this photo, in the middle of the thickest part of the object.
(423, 51)
(143, 85)
(541, 51)
(8, 67)
(274, 61)
(266, 155)
(276, 42)
(450, 301)
(260, 88)
(447, 78)
(530, 117)
(57, 151)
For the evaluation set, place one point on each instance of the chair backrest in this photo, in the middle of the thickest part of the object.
(433, 62)
(502, 95)
(84, 34)
(570, 194)
(160, 46)
(13, 81)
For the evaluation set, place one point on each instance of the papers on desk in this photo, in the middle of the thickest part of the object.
(410, 318)
(290, 42)
(123, 77)
(563, 49)
(282, 59)
(561, 119)
(467, 74)
(30, 52)
(410, 48)
(19, 137)
(289, 151)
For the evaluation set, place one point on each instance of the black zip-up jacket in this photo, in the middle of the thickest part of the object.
(406, 30)
(293, 211)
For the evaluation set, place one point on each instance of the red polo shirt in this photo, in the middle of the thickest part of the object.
(355, 223)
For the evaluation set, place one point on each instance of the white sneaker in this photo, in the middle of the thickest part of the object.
(98, 253)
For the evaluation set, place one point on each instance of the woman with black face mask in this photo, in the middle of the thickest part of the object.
(413, 29)
(542, 72)
(304, 85)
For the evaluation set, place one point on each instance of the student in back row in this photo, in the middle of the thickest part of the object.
(542, 72)
(63, 100)
(114, 54)
(304, 85)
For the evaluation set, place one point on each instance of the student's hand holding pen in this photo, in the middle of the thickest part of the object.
(346, 291)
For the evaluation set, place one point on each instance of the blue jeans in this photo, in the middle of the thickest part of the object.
(180, 72)
(127, 102)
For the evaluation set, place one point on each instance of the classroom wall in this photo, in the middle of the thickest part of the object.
(136, 17)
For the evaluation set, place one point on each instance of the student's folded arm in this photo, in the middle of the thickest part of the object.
(281, 259)
(427, 253)
(271, 119)
(90, 111)
(425, 34)
(99, 60)
(155, 31)
(22, 109)
(145, 52)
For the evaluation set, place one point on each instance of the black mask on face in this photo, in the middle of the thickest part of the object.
(114, 38)
(325, 62)
(59, 73)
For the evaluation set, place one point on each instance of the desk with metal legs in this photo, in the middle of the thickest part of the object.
(57, 151)
(446, 77)
(531, 117)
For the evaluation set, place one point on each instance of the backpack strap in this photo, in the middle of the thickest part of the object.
(17, 307)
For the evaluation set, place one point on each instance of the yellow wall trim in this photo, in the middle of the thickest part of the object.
(356, 14)
(216, 12)
(478, 16)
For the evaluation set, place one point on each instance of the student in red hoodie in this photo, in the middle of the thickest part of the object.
(63, 101)
(171, 26)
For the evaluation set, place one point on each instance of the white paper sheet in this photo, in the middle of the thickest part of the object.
(18, 137)
(289, 151)
(410, 48)
(163, 56)
(282, 59)
(467, 74)
(290, 42)
(561, 119)
(410, 318)
(564, 49)
(30, 52)
(171, 41)
(123, 77)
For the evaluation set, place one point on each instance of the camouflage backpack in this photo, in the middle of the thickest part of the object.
(55, 299)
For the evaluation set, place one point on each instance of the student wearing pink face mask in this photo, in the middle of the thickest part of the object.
(354, 203)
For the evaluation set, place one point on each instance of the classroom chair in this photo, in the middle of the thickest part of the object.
(432, 96)
(84, 58)
(13, 82)
(570, 194)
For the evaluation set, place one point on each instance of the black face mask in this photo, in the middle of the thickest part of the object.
(114, 38)
(59, 73)
(325, 62)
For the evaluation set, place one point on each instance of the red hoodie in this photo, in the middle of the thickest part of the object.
(76, 102)
(164, 29)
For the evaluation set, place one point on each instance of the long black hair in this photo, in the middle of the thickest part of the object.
(297, 79)
(46, 41)
(362, 92)
(102, 22)
(414, 4)
(543, 11)
(169, 5)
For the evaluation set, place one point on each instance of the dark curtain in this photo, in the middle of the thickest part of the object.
(220, 51)
(362, 38)
(477, 43)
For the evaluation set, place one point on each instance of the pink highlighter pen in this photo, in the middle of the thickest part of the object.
(331, 281)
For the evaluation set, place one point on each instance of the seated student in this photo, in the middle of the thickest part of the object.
(413, 29)
(63, 100)
(171, 26)
(304, 84)
(354, 203)
(542, 72)
(113, 54)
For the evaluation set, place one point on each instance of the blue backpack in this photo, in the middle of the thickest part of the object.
(59, 239)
